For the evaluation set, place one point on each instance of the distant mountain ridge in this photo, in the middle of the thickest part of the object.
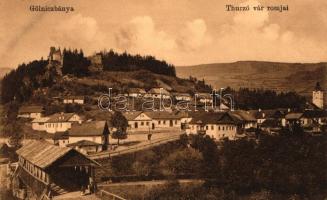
(299, 77)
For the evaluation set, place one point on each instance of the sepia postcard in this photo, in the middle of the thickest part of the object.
(163, 100)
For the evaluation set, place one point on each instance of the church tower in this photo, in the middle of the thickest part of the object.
(318, 96)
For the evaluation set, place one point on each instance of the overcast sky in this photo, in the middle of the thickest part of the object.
(183, 32)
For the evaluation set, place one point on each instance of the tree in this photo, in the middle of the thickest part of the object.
(119, 135)
(120, 123)
(185, 161)
(11, 127)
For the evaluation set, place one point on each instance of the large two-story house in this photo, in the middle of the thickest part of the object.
(61, 122)
(217, 125)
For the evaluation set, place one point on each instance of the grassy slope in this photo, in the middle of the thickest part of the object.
(142, 79)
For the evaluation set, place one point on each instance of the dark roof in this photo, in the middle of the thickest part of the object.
(60, 135)
(214, 118)
(60, 117)
(162, 115)
(131, 115)
(272, 123)
(269, 113)
(74, 97)
(83, 143)
(152, 114)
(93, 128)
(30, 109)
(314, 113)
(244, 115)
(318, 87)
(44, 154)
(3, 146)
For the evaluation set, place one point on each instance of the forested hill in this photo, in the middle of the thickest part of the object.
(77, 74)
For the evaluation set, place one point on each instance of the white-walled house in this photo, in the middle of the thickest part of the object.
(38, 124)
(152, 121)
(205, 98)
(73, 99)
(248, 119)
(96, 132)
(30, 112)
(182, 96)
(163, 120)
(217, 125)
(61, 122)
(138, 121)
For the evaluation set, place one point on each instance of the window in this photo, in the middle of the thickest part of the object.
(207, 128)
(175, 121)
(164, 122)
(159, 122)
(147, 123)
(212, 127)
(142, 123)
(223, 128)
(218, 128)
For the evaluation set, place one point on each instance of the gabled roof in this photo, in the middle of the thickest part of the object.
(93, 128)
(244, 115)
(60, 117)
(214, 118)
(44, 154)
(30, 109)
(269, 113)
(60, 135)
(131, 115)
(41, 120)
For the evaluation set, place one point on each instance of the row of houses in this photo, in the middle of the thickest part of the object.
(157, 93)
(70, 129)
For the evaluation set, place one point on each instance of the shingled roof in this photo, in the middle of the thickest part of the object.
(214, 118)
(43, 154)
(93, 128)
(30, 109)
(60, 117)
(244, 115)
(162, 115)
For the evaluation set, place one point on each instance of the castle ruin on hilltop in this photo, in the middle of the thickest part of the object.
(55, 59)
